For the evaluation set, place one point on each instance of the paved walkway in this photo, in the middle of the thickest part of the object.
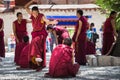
(8, 72)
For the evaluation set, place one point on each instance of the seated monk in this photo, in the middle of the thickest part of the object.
(24, 56)
(62, 61)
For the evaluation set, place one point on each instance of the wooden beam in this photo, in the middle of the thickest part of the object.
(67, 2)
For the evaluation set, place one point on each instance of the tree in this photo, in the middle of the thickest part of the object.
(109, 5)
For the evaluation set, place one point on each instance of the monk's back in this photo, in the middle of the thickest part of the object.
(61, 57)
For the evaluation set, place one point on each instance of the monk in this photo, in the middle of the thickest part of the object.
(109, 32)
(24, 56)
(2, 46)
(62, 61)
(59, 33)
(39, 34)
(90, 49)
(79, 38)
(19, 30)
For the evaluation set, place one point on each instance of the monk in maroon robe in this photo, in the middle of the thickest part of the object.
(25, 56)
(79, 38)
(20, 30)
(2, 46)
(39, 34)
(90, 48)
(109, 32)
(59, 33)
(61, 62)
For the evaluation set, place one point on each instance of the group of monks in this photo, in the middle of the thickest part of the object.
(62, 63)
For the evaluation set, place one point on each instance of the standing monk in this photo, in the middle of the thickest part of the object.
(39, 34)
(20, 30)
(2, 46)
(79, 38)
(109, 32)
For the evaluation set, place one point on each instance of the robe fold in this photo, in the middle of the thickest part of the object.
(90, 49)
(19, 48)
(24, 57)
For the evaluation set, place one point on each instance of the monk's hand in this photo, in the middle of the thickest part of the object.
(76, 40)
(17, 40)
(116, 35)
(34, 1)
(73, 45)
(55, 22)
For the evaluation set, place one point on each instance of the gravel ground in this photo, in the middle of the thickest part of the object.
(8, 72)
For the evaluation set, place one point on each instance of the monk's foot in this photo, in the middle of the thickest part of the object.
(46, 75)
(83, 64)
(19, 68)
(39, 69)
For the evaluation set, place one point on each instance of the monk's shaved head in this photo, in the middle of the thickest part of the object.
(68, 41)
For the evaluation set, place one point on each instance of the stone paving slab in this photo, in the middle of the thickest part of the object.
(8, 72)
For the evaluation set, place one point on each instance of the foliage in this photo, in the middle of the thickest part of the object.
(110, 5)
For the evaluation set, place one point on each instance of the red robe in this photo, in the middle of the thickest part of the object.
(61, 62)
(24, 57)
(19, 48)
(90, 49)
(21, 31)
(108, 36)
(80, 45)
(2, 45)
(61, 33)
(39, 34)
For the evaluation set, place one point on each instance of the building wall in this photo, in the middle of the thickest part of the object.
(23, 2)
(8, 18)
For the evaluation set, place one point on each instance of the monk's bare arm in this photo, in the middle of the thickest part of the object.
(54, 33)
(79, 30)
(73, 57)
(14, 31)
(113, 25)
(28, 21)
(2, 26)
(49, 22)
(28, 5)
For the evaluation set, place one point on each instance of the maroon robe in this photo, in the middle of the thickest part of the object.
(21, 31)
(19, 48)
(80, 45)
(61, 33)
(90, 48)
(2, 45)
(39, 34)
(108, 36)
(61, 62)
(24, 57)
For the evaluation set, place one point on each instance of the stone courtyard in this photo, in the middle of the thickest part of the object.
(8, 72)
